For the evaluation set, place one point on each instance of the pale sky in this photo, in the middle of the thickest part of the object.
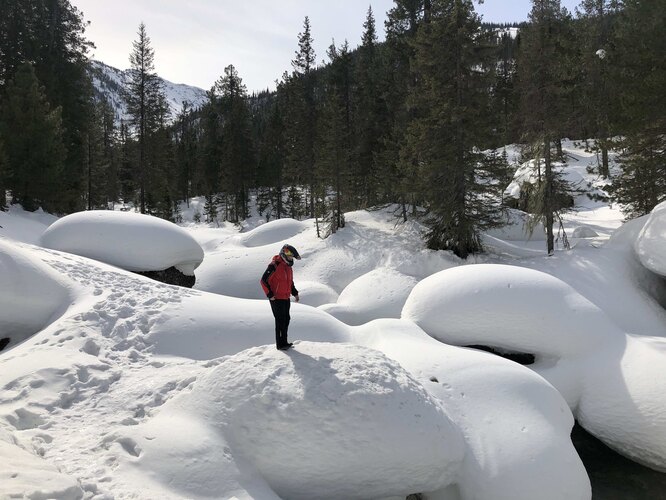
(194, 40)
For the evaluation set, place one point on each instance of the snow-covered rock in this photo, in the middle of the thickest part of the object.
(650, 244)
(507, 307)
(131, 241)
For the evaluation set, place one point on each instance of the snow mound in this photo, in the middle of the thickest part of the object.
(315, 294)
(272, 232)
(235, 271)
(650, 245)
(331, 421)
(507, 307)
(378, 294)
(209, 326)
(31, 296)
(584, 232)
(131, 241)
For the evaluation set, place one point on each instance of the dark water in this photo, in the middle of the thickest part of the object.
(614, 477)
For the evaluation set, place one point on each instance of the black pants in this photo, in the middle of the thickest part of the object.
(280, 309)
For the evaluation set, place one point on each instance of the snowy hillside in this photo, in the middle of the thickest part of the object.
(118, 387)
(109, 82)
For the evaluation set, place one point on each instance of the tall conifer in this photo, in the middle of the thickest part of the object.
(145, 103)
(33, 142)
(541, 60)
(452, 63)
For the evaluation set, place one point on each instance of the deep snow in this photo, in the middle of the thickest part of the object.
(116, 386)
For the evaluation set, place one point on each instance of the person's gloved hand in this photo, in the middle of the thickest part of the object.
(296, 298)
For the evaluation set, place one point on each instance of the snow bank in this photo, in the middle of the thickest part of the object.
(131, 241)
(27, 227)
(378, 294)
(32, 294)
(650, 245)
(331, 421)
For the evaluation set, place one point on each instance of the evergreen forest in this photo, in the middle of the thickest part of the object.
(416, 121)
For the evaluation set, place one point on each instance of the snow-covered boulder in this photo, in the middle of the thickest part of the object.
(128, 240)
(378, 294)
(32, 294)
(331, 421)
(650, 245)
(507, 307)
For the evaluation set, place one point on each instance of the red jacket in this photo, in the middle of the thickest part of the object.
(278, 280)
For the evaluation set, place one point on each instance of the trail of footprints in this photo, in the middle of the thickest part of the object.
(120, 375)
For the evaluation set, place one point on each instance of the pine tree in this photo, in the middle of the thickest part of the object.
(301, 116)
(541, 85)
(210, 145)
(596, 45)
(126, 155)
(371, 116)
(33, 142)
(504, 95)
(102, 160)
(238, 157)
(453, 65)
(640, 48)
(50, 35)
(145, 103)
(185, 137)
(271, 162)
(333, 152)
(402, 24)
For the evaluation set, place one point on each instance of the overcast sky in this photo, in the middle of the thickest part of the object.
(194, 40)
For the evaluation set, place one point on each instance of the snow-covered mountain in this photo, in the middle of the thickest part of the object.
(109, 82)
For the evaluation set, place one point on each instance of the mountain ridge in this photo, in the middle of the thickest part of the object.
(109, 82)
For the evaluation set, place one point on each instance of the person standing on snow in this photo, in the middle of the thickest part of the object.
(278, 285)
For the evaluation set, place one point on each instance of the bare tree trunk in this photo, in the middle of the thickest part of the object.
(548, 197)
